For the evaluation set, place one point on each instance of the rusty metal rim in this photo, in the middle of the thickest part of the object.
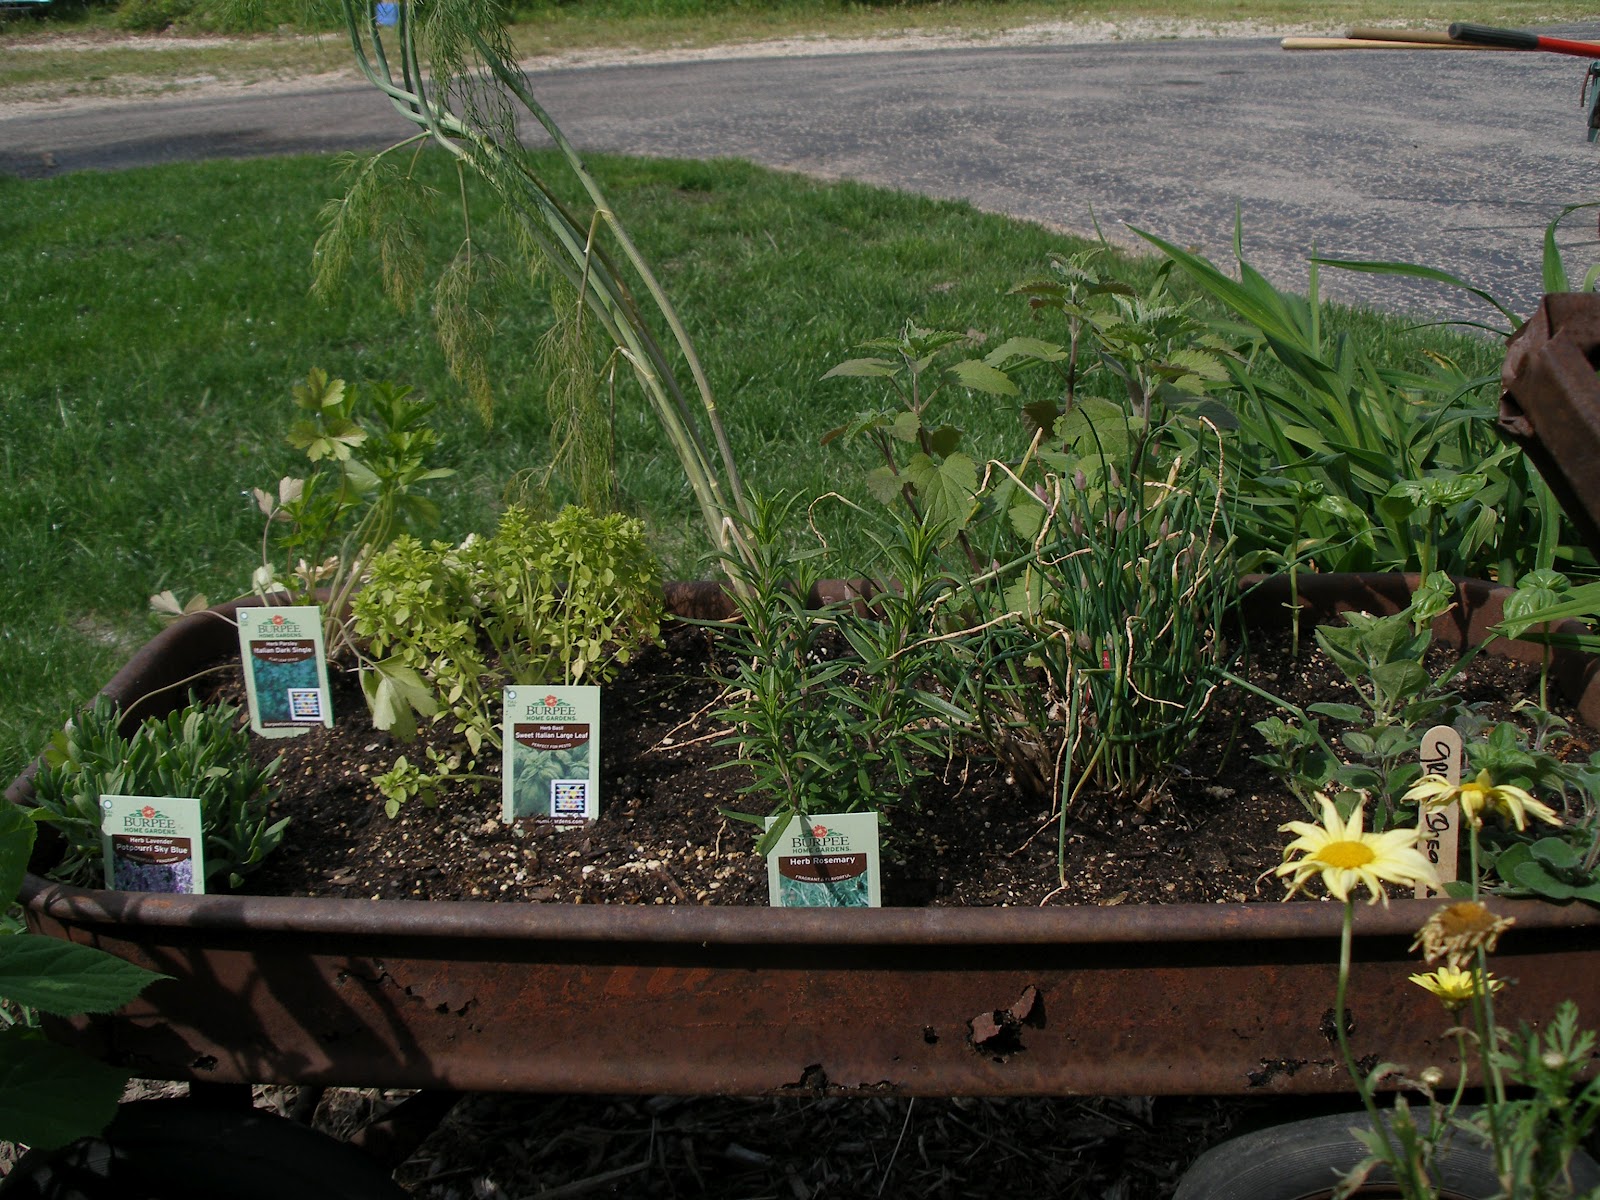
(1082, 925)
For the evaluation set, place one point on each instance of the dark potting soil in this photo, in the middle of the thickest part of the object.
(971, 838)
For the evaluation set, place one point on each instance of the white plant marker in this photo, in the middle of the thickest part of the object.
(1439, 829)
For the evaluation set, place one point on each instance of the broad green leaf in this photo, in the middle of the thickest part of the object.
(946, 489)
(17, 832)
(863, 368)
(1556, 854)
(1534, 877)
(1027, 515)
(884, 485)
(1023, 349)
(981, 377)
(1095, 427)
(397, 695)
(906, 426)
(944, 440)
(1339, 712)
(49, 1095)
(1198, 362)
(65, 978)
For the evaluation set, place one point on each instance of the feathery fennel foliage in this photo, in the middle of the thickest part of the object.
(449, 68)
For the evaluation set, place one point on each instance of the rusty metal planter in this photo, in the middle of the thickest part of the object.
(1179, 999)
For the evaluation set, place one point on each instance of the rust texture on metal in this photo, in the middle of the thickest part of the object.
(1550, 405)
(1177, 999)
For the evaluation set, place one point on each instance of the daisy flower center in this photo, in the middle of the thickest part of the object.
(1347, 855)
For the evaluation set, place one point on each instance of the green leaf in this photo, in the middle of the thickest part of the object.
(981, 377)
(863, 368)
(1535, 878)
(1023, 349)
(65, 978)
(1339, 712)
(1095, 427)
(1027, 515)
(905, 427)
(17, 832)
(397, 695)
(884, 485)
(1555, 854)
(49, 1095)
(944, 440)
(946, 489)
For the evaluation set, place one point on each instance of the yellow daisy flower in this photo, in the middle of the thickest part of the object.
(1478, 795)
(1344, 855)
(1455, 987)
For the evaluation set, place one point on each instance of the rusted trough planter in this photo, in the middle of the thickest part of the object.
(1179, 999)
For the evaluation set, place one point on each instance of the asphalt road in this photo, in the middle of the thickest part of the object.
(1451, 159)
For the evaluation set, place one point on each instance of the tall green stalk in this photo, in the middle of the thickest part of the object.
(454, 52)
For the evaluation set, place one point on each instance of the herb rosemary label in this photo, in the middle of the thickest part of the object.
(828, 861)
(1439, 829)
(153, 844)
(285, 669)
(550, 754)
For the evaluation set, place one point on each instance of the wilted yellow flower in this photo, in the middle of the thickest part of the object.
(1456, 931)
(1344, 855)
(1435, 791)
(1456, 987)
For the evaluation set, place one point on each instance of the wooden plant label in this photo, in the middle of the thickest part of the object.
(1439, 829)
(153, 844)
(550, 754)
(285, 670)
(828, 861)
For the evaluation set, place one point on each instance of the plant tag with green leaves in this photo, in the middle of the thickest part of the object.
(153, 844)
(285, 669)
(1439, 829)
(551, 754)
(828, 861)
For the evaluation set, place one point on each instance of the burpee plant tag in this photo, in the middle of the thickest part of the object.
(1439, 829)
(550, 754)
(285, 669)
(153, 844)
(826, 861)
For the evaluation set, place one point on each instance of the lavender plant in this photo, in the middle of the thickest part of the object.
(200, 751)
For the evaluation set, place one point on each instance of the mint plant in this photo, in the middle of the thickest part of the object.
(50, 1095)
(200, 751)
(370, 450)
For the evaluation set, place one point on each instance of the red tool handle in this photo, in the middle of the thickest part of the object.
(1517, 39)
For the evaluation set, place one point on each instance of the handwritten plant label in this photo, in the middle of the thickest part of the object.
(285, 669)
(550, 754)
(828, 861)
(1439, 830)
(153, 844)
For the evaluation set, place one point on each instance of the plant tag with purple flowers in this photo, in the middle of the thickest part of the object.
(285, 669)
(153, 844)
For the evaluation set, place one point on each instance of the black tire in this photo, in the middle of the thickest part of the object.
(179, 1150)
(1304, 1159)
